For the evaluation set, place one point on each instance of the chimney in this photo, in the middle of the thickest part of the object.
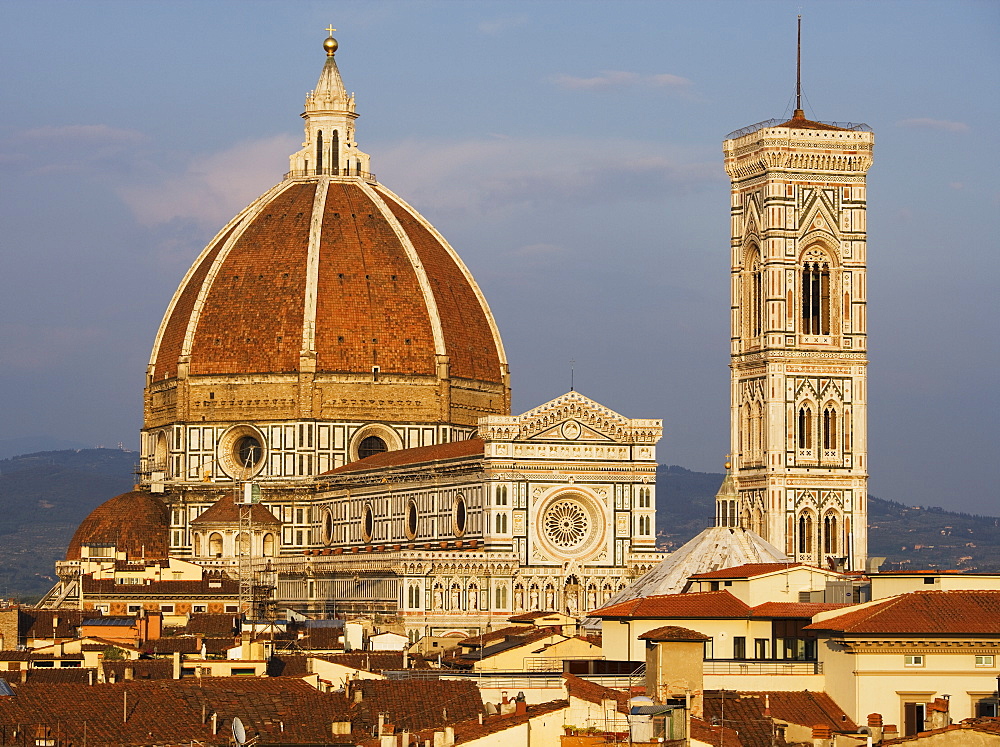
(177, 665)
(381, 723)
(889, 731)
(449, 736)
(938, 712)
(129, 672)
(358, 695)
(822, 736)
(875, 726)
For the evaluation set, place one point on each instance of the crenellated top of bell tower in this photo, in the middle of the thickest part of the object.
(329, 148)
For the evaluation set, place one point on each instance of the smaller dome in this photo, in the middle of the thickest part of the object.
(135, 523)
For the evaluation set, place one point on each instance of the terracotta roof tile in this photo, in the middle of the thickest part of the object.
(701, 604)
(674, 633)
(135, 522)
(278, 709)
(405, 457)
(794, 609)
(412, 706)
(744, 715)
(703, 731)
(370, 305)
(923, 612)
(213, 623)
(805, 707)
(465, 322)
(577, 687)
(801, 123)
(227, 511)
(49, 624)
(369, 661)
(208, 586)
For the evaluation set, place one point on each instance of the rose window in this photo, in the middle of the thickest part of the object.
(565, 524)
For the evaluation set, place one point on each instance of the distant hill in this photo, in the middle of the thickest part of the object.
(908, 537)
(45, 495)
(10, 447)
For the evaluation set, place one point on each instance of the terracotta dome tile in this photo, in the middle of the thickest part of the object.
(468, 336)
(252, 317)
(370, 308)
(136, 523)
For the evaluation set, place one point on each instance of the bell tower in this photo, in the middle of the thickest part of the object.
(798, 341)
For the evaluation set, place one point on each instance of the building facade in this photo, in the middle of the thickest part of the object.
(798, 342)
(327, 420)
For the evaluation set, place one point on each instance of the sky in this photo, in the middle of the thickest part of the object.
(569, 151)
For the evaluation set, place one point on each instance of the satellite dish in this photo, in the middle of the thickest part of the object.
(239, 733)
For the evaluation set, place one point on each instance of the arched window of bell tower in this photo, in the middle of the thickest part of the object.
(805, 428)
(805, 533)
(830, 428)
(759, 433)
(752, 303)
(815, 292)
(830, 534)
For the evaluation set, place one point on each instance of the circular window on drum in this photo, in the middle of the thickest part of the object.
(459, 516)
(368, 524)
(566, 524)
(242, 450)
(411, 519)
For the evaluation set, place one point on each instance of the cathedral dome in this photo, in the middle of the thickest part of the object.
(330, 300)
(134, 523)
(328, 274)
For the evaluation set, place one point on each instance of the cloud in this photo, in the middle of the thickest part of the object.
(607, 79)
(71, 148)
(491, 177)
(210, 190)
(619, 79)
(499, 25)
(925, 123)
(100, 133)
(27, 347)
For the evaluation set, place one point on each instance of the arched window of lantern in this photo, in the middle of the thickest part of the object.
(814, 290)
(335, 153)
(319, 152)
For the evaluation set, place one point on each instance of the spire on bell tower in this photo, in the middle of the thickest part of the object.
(799, 114)
(329, 148)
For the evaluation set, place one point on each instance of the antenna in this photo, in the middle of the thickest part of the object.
(239, 733)
(798, 69)
(572, 374)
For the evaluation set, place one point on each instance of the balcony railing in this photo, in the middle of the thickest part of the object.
(771, 666)
(303, 174)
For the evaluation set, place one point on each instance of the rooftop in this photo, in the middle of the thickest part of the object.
(924, 612)
(406, 457)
